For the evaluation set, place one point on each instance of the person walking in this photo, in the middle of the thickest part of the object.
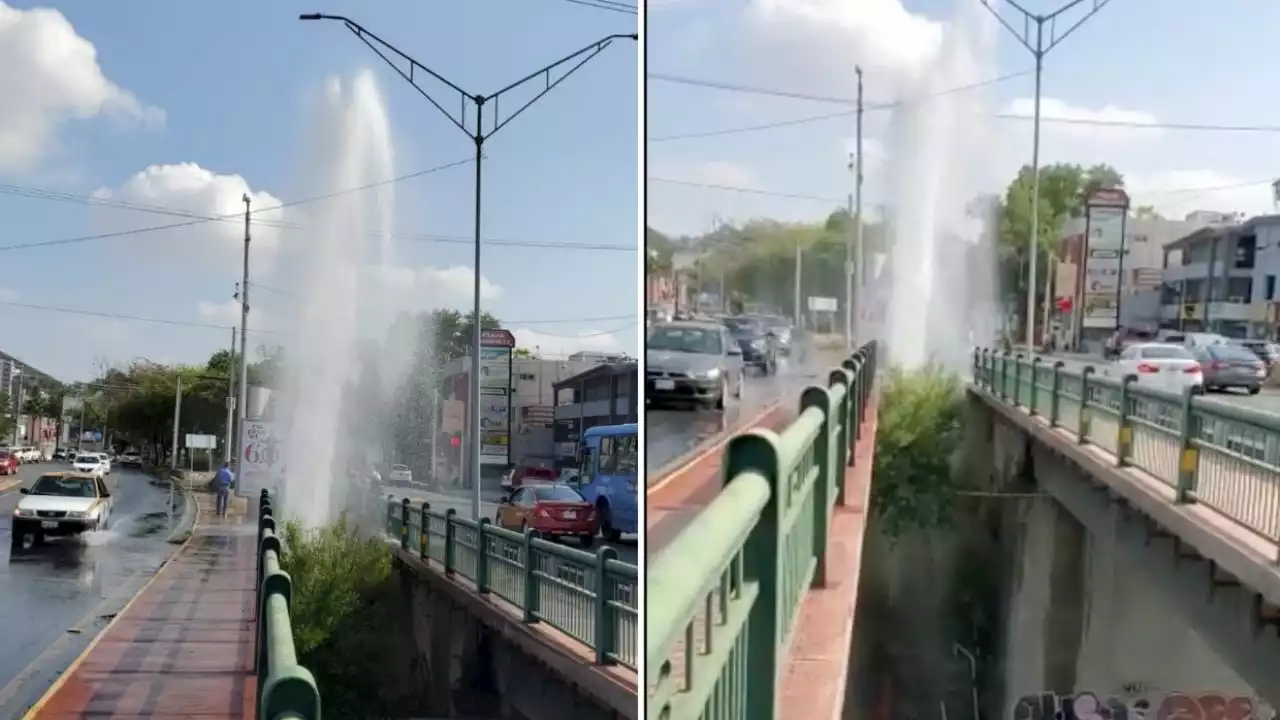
(222, 483)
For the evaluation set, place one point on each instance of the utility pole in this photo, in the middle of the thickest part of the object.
(854, 291)
(231, 402)
(799, 310)
(477, 135)
(1038, 48)
(177, 420)
(242, 404)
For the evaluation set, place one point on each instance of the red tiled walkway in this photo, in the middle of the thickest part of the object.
(183, 648)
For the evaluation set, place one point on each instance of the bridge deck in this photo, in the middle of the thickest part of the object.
(183, 648)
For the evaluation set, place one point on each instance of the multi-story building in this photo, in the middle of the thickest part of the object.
(1222, 279)
(604, 395)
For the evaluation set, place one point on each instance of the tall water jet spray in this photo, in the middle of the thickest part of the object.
(941, 297)
(346, 234)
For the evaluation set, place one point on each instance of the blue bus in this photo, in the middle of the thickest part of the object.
(608, 460)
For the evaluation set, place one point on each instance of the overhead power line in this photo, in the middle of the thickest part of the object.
(200, 219)
(610, 5)
(836, 100)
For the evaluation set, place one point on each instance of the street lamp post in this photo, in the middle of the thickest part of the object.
(1039, 47)
(478, 137)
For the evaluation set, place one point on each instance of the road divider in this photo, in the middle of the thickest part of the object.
(707, 449)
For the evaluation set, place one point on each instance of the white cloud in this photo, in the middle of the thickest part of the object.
(708, 172)
(553, 346)
(226, 313)
(1178, 192)
(818, 42)
(192, 191)
(51, 75)
(405, 288)
(1087, 123)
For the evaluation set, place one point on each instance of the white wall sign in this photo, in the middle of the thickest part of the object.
(262, 461)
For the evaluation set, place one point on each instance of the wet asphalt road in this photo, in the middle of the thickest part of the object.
(672, 433)
(56, 597)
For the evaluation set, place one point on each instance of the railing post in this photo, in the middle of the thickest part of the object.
(857, 402)
(820, 398)
(1053, 395)
(389, 513)
(1082, 436)
(482, 556)
(1035, 384)
(404, 523)
(605, 641)
(1017, 379)
(757, 451)
(1003, 392)
(450, 541)
(1124, 431)
(424, 523)
(1188, 453)
(843, 445)
(531, 594)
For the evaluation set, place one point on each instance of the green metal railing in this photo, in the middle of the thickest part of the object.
(1222, 456)
(591, 597)
(286, 690)
(723, 597)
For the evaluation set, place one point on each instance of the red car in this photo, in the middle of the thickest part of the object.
(8, 463)
(554, 510)
(530, 475)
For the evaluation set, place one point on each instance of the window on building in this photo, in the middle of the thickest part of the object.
(1239, 290)
(565, 396)
(1271, 287)
(528, 376)
(598, 390)
(1246, 251)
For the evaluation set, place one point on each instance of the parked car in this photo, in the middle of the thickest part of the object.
(61, 504)
(8, 463)
(697, 362)
(553, 510)
(1229, 366)
(60, 455)
(1165, 365)
(106, 462)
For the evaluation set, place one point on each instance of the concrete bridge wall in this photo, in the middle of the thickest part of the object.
(1098, 600)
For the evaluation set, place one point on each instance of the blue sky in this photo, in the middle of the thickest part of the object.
(219, 99)
(1180, 62)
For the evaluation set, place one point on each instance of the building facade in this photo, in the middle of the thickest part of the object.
(1223, 279)
(604, 395)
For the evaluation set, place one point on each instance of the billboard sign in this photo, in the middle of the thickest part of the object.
(1105, 213)
(496, 351)
(262, 460)
(202, 442)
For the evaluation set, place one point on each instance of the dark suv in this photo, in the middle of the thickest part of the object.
(759, 344)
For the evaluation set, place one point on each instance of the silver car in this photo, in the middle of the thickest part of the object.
(693, 362)
(1231, 366)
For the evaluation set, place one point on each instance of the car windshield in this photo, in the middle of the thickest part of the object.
(685, 339)
(64, 487)
(1230, 352)
(399, 468)
(556, 493)
(87, 459)
(1165, 352)
(738, 324)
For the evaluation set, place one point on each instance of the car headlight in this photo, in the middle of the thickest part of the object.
(76, 514)
(713, 373)
(23, 512)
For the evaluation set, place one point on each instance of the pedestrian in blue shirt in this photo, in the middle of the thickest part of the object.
(222, 483)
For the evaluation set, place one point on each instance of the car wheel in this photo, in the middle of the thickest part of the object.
(587, 540)
(722, 394)
(1255, 390)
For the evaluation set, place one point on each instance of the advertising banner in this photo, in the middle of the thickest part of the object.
(262, 461)
(1104, 259)
(495, 397)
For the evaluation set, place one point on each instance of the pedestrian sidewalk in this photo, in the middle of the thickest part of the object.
(184, 646)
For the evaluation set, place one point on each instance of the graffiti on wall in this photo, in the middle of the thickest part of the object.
(1176, 705)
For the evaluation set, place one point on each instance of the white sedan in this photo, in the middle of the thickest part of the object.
(61, 504)
(1163, 365)
(89, 464)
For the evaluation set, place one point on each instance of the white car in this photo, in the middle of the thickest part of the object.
(400, 474)
(131, 459)
(61, 504)
(1164, 365)
(106, 462)
(89, 464)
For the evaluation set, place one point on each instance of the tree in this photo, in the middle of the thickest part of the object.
(1063, 190)
(451, 333)
(524, 353)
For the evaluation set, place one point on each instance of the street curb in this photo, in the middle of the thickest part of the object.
(187, 520)
(7, 485)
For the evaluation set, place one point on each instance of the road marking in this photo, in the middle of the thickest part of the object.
(701, 455)
(7, 485)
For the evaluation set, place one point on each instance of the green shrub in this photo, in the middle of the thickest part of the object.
(341, 585)
(917, 434)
